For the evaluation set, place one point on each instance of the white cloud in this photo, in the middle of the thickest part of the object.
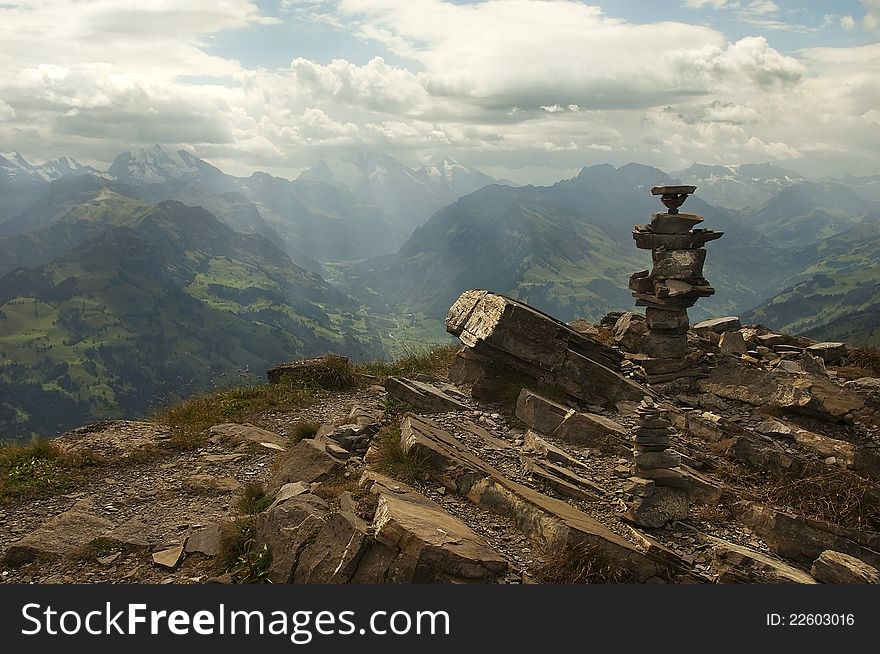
(847, 23)
(504, 83)
(871, 21)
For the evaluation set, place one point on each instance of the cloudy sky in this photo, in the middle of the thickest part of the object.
(531, 90)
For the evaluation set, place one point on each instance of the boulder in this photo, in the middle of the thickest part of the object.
(286, 529)
(628, 331)
(732, 342)
(866, 387)
(422, 396)
(514, 335)
(593, 430)
(432, 545)
(654, 506)
(307, 461)
(812, 363)
(838, 568)
(61, 534)
(539, 412)
(334, 553)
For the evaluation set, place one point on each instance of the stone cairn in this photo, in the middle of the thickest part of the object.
(660, 492)
(674, 283)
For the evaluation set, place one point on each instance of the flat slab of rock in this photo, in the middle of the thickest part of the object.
(205, 540)
(538, 412)
(423, 396)
(62, 534)
(838, 568)
(168, 558)
(438, 545)
(737, 564)
(512, 334)
(718, 325)
(246, 432)
(830, 352)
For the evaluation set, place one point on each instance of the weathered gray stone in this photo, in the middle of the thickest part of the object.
(666, 320)
(593, 430)
(61, 534)
(678, 264)
(205, 540)
(838, 568)
(737, 564)
(664, 347)
(812, 363)
(422, 396)
(732, 342)
(333, 554)
(679, 223)
(830, 352)
(718, 325)
(656, 459)
(246, 432)
(307, 461)
(286, 529)
(628, 331)
(803, 394)
(513, 334)
(539, 412)
(168, 558)
(663, 505)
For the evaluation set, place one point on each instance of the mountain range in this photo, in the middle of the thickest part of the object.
(163, 275)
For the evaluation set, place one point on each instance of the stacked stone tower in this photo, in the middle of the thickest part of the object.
(673, 285)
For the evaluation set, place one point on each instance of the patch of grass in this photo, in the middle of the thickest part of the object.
(395, 407)
(34, 470)
(393, 461)
(100, 547)
(865, 357)
(304, 429)
(580, 564)
(253, 498)
(332, 488)
(190, 420)
(435, 361)
(331, 373)
(238, 557)
(822, 492)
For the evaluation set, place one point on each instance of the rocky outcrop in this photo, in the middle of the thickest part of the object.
(502, 331)
(422, 396)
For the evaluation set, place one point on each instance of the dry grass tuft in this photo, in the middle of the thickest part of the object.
(580, 564)
(304, 429)
(253, 499)
(435, 361)
(238, 557)
(393, 461)
(866, 358)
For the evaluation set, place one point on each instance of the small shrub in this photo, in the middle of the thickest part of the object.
(304, 429)
(580, 564)
(253, 498)
(238, 557)
(393, 461)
